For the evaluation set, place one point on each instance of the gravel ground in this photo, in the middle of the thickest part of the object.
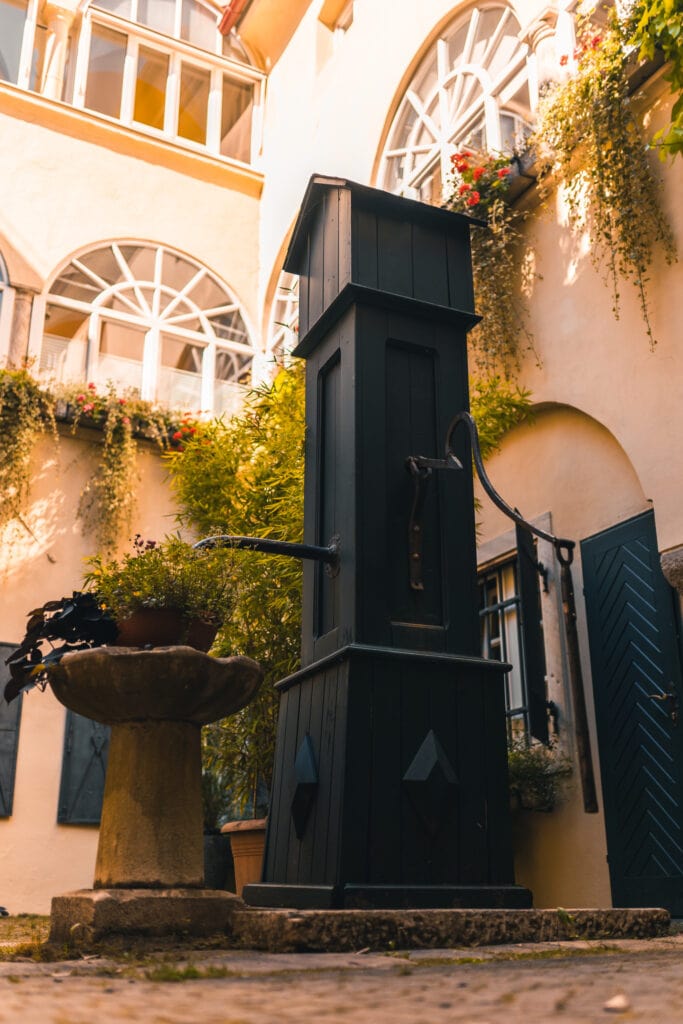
(586, 982)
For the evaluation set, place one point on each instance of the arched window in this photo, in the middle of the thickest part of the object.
(150, 319)
(471, 88)
(283, 332)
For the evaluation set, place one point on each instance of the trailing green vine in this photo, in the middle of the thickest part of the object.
(26, 412)
(658, 25)
(478, 186)
(589, 137)
(107, 501)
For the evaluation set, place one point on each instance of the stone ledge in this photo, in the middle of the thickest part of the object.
(341, 931)
(87, 915)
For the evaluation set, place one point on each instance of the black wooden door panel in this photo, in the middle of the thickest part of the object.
(635, 658)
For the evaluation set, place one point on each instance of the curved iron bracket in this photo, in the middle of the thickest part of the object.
(564, 548)
(329, 554)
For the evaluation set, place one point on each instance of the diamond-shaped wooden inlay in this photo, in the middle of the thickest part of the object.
(430, 782)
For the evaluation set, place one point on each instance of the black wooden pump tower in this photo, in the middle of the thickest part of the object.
(390, 785)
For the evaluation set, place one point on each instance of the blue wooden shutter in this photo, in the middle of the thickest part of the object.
(10, 716)
(84, 766)
(532, 634)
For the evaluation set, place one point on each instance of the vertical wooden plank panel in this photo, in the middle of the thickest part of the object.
(304, 291)
(303, 728)
(471, 770)
(445, 852)
(325, 753)
(494, 740)
(331, 248)
(430, 265)
(344, 255)
(315, 827)
(356, 822)
(330, 454)
(289, 714)
(416, 843)
(337, 729)
(316, 269)
(385, 775)
(364, 247)
(460, 287)
(394, 263)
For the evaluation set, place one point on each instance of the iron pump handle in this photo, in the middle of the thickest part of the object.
(266, 545)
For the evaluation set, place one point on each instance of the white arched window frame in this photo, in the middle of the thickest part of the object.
(283, 330)
(470, 88)
(149, 319)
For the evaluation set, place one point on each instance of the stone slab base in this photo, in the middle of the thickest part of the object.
(340, 931)
(88, 915)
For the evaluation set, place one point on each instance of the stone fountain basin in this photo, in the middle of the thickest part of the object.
(125, 684)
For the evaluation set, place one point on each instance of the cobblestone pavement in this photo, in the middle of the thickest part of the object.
(574, 982)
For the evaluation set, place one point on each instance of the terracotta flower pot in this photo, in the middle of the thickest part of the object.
(164, 627)
(247, 840)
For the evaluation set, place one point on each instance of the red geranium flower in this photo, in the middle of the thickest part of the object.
(178, 436)
(92, 387)
(564, 60)
(477, 173)
(503, 172)
(80, 398)
(464, 188)
(473, 199)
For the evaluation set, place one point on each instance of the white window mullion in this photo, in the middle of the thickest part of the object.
(213, 114)
(208, 375)
(257, 119)
(28, 42)
(494, 140)
(93, 347)
(130, 74)
(150, 364)
(82, 62)
(172, 95)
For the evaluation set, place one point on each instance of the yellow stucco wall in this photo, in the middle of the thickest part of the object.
(38, 857)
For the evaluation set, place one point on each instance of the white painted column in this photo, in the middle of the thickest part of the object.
(59, 22)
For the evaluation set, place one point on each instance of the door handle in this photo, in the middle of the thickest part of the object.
(670, 698)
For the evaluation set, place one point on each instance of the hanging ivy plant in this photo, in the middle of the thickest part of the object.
(107, 501)
(478, 187)
(26, 411)
(589, 137)
(656, 25)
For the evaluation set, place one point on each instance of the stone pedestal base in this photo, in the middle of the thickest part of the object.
(89, 915)
(151, 831)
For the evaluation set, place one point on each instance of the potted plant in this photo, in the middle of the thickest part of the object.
(161, 594)
(535, 775)
(166, 593)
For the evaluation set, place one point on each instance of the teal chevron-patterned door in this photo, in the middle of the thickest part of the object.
(636, 667)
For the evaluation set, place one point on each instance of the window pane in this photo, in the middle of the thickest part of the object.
(150, 88)
(12, 18)
(62, 355)
(37, 58)
(238, 99)
(194, 100)
(120, 358)
(105, 71)
(198, 25)
(158, 14)
(180, 380)
(120, 7)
